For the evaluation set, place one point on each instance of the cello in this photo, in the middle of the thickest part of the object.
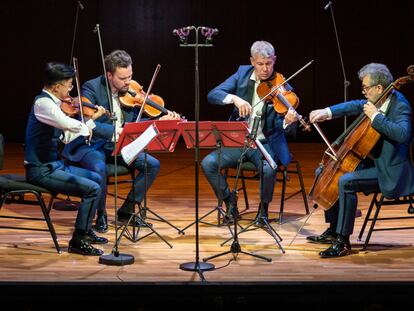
(355, 145)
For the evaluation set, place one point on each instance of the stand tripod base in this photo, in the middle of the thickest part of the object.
(116, 260)
(197, 266)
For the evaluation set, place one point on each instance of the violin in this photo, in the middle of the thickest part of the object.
(135, 96)
(273, 90)
(70, 106)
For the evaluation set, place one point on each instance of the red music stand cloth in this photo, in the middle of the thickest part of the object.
(231, 133)
(165, 141)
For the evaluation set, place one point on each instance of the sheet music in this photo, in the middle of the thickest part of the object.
(130, 152)
(266, 155)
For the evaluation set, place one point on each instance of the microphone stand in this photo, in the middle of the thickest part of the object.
(115, 258)
(196, 265)
(346, 82)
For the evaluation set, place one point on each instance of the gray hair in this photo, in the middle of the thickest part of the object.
(378, 73)
(262, 48)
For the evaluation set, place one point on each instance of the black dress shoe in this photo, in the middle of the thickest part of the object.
(338, 248)
(124, 217)
(101, 224)
(325, 238)
(83, 247)
(94, 239)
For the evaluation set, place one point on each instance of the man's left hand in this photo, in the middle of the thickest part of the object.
(172, 115)
(370, 109)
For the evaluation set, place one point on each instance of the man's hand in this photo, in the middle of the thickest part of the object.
(318, 115)
(244, 107)
(172, 115)
(98, 113)
(370, 109)
(291, 116)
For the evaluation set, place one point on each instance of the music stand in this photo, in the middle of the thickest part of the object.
(216, 135)
(165, 141)
(263, 222)
(235, 248)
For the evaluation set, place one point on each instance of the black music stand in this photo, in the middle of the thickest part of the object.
(235, 248)
(165, 141)
(216, 135)
(263, 222)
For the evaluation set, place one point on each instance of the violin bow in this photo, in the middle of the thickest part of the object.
(154, 76)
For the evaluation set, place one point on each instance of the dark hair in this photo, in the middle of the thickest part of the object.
(55, 72)
(117, 58)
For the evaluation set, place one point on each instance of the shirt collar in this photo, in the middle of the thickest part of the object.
(55, 99)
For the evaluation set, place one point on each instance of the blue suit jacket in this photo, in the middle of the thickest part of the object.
(392, 152)
(272, 123)
(95, 91)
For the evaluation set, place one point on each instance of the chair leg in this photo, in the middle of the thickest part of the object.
(282, 198)
(246, 199)
(361, 233)
(302, 187)
(374, 220)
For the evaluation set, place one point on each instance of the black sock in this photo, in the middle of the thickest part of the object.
(78, 235)
(101, 213)
(343, 238)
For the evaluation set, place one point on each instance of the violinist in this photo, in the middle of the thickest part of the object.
(240, 90)
(388, 169)
(94, 156)
(47, 124)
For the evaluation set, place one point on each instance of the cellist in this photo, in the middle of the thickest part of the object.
(388, 169)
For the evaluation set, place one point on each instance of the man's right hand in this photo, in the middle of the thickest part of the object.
(319, 115)
(244, 107)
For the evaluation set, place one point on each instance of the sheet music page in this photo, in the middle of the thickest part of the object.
(130, 152)
(266, 155)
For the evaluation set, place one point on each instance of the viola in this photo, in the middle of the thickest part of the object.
(70, 106)
(135, 96)
(274, 90)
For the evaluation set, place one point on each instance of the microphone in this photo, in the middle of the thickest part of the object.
(95, 29)
(209, 30)
(208, 33)
(181, 31)
(80, 5)
(255, 126)
(328, 5)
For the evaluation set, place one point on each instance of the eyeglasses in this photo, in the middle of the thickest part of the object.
(365, 89)
(70, 87)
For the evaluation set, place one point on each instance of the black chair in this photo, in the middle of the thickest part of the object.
(121, 171)
(15, 189)
(378, 203)
(249, 172)
(382, 201)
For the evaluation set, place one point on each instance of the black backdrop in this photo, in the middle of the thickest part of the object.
(34, 32)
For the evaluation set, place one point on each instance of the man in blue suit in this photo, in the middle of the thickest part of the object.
(389, 168)
(95, 155)
(240, 90)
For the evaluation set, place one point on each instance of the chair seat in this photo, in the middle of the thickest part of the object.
(121, 170)
(18, 182)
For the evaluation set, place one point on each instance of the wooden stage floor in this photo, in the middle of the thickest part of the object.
(28, 258)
